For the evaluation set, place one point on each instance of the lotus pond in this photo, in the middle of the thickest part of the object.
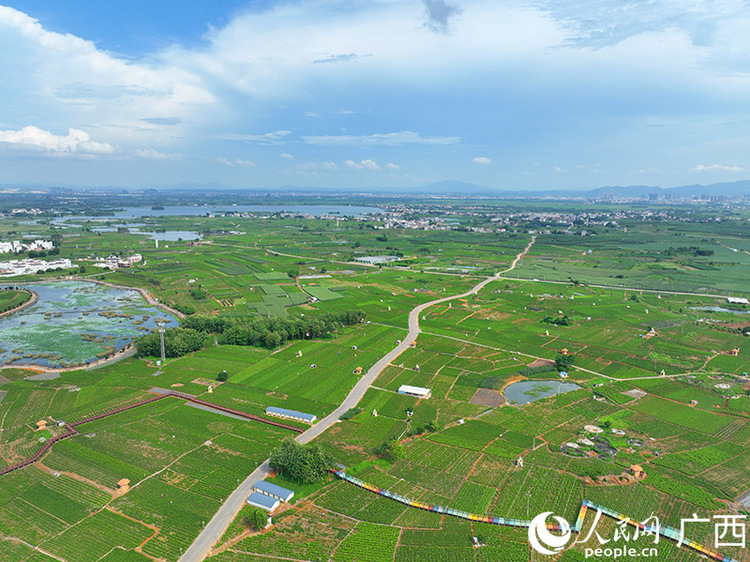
(74, 323)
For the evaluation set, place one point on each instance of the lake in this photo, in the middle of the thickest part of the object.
(74, 323)
(525, 392)
(192, 211)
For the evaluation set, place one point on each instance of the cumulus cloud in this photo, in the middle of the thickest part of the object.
(392, 166)
(35, 139)
(439, 14)
(286, 156)
(54, 75)
(329, 166)
(379, 139)
(363, 165)
(716, 168)
(482, 160)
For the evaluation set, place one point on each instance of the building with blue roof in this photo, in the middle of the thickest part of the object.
(263, 501)
(273, 491)
(291, 414)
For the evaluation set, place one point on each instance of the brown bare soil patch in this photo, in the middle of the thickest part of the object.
(540, 362)
(488, 397)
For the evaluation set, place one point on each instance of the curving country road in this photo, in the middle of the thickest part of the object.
(219, 523)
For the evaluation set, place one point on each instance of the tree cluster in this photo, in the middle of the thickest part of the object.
(305, 464)
(255, 519)
(273, 332)
(564, 362)
(694, 250)
(391, 450)
(558, 321)
(177, 342)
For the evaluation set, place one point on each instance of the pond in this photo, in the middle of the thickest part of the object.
(74, 323)
(720, 309)
(530, 391)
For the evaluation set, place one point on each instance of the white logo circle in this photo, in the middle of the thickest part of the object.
(540, 538)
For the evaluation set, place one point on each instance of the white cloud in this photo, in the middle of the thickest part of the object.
(392, 166)
(379, 139)
(362, 164)
(329, 166)
(35, 139)
(716, 168)
(268, 139)
(150, 153)
(286, 156)
(482, 160)
(238, 162)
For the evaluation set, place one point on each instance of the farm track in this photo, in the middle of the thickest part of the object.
(220, 522)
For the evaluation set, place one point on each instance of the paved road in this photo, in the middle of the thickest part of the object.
(231, 507)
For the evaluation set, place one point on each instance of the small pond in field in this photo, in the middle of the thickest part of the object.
(530, 391)
(74, 323)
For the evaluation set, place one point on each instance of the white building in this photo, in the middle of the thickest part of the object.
(417, 391)
(25, 267)
(737, 300)
(17, 246)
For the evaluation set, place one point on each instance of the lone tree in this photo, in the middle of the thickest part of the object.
(255, 519)
(223, 376)
(564, 362)
(391, 450)
(305, 464)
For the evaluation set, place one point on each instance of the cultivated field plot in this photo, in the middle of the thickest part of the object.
(181, 461)
(670, 257)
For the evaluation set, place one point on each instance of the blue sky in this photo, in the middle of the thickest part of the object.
(534, 94)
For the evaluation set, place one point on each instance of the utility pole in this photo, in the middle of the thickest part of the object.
(160, 324)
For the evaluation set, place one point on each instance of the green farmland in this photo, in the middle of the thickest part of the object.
(662, 374)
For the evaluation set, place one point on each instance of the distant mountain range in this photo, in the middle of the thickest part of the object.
(449, 188)
(617, 191)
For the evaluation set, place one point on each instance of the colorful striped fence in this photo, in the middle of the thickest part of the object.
(664, 531)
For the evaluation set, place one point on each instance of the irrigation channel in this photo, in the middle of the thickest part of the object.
(667, 532)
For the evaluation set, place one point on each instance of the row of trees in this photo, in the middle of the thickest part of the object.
(245, 330)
